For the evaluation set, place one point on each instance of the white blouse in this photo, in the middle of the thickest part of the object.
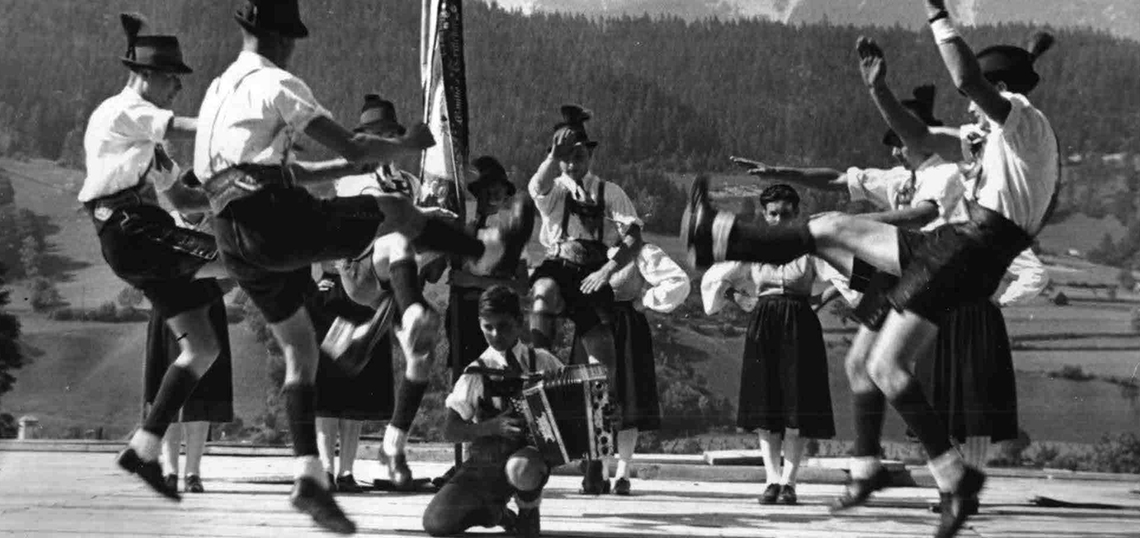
(755, 280)
(654, 279)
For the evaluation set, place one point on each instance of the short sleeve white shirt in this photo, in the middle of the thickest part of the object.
(467, 393)
(1020, 165)
(252, 113)
(119, 145)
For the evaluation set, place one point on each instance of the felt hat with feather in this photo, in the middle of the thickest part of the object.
(155, 52)
(378, 117)
(489, 172)
(574, 120)
(1014, 65)
(281, 17)
(921, 105)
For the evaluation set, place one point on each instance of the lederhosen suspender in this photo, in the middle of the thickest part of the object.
(595, 213)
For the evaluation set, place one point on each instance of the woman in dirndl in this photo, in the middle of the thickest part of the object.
(654, 282)
(345, 401)
(213, 397)
(784, 386)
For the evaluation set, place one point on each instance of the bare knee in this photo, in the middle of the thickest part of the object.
(526, 471)
(547, 298)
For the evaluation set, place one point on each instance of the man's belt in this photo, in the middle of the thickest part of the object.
(242, 180)
(103, 208)
(582, 253)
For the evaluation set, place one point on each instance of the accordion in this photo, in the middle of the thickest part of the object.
(568, 414)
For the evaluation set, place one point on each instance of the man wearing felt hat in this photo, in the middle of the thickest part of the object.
(582, 217)
(270, 230)
(127, 169)
(1016, 163)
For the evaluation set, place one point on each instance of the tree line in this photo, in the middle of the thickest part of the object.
(667, 94)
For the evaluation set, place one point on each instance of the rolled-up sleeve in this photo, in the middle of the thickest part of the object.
(620, 208)
(669, 284)
(295, 102)
(1030, 279)
(719, 279)
(464, 397)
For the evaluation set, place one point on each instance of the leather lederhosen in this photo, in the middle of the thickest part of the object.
(585, 253)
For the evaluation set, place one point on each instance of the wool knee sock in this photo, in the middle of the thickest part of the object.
(406, 288)
(177, 385)
(300, 408)
(777, 245)
(408, 399)
(920, 417)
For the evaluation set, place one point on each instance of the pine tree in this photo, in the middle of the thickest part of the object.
(11, 356)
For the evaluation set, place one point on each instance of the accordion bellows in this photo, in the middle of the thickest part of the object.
(569, 415)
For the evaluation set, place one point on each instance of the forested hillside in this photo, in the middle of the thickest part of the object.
(664, 91)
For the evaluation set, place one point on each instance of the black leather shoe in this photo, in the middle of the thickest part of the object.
(859, 490)
(788, 495)
(308, 497)
(347, 484)
(508, 520)
(527, 523)
(194, 484)
(958, 506)
(172, 482)
(594, 483)
(696, 224)
(149, 471)
(971, 507)
(771, 493)
(621, 486)
(444, 478)
(398, 472)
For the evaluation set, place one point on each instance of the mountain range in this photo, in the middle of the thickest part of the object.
(1118, 17)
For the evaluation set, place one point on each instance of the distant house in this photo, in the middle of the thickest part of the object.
(1074, 253)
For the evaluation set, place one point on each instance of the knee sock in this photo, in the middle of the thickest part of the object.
(542, 330)
(768, 244)
(440, 236)
(869, 410)
(408, 399)
(920, 417)
(177, 385)
(300, 408)
(405, 280)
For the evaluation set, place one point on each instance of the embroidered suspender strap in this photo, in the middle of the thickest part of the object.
(533, 361)
(218, 113)
(602, 206)
(567, 200)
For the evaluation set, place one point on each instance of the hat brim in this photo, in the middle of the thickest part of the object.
(381, 129)
(296, 30)
(179, 68)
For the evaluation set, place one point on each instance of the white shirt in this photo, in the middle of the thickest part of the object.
(619, 210)
(468, 390)
(653, 278)
(935, 180)
(119, 144)
(1029, 279)
(358, 184)
(755, 280)
(255, 121)
(1020, 165)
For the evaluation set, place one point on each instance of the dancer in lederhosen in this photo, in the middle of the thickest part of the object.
(573, 279)
(969, 377)
(1018, 170)
(785, 390)
(213, 398)
(270, 230)
(127, 168)
(345, 400)
(653, 282)
(387, 278)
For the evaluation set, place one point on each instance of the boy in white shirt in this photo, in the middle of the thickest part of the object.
(500, 464)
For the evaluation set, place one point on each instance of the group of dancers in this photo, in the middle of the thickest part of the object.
(328, 272)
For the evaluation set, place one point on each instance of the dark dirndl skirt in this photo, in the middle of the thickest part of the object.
(784, 381)
(465, 338)
(369, 395)
(213, 398)
(635, 373)
(969, 378)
